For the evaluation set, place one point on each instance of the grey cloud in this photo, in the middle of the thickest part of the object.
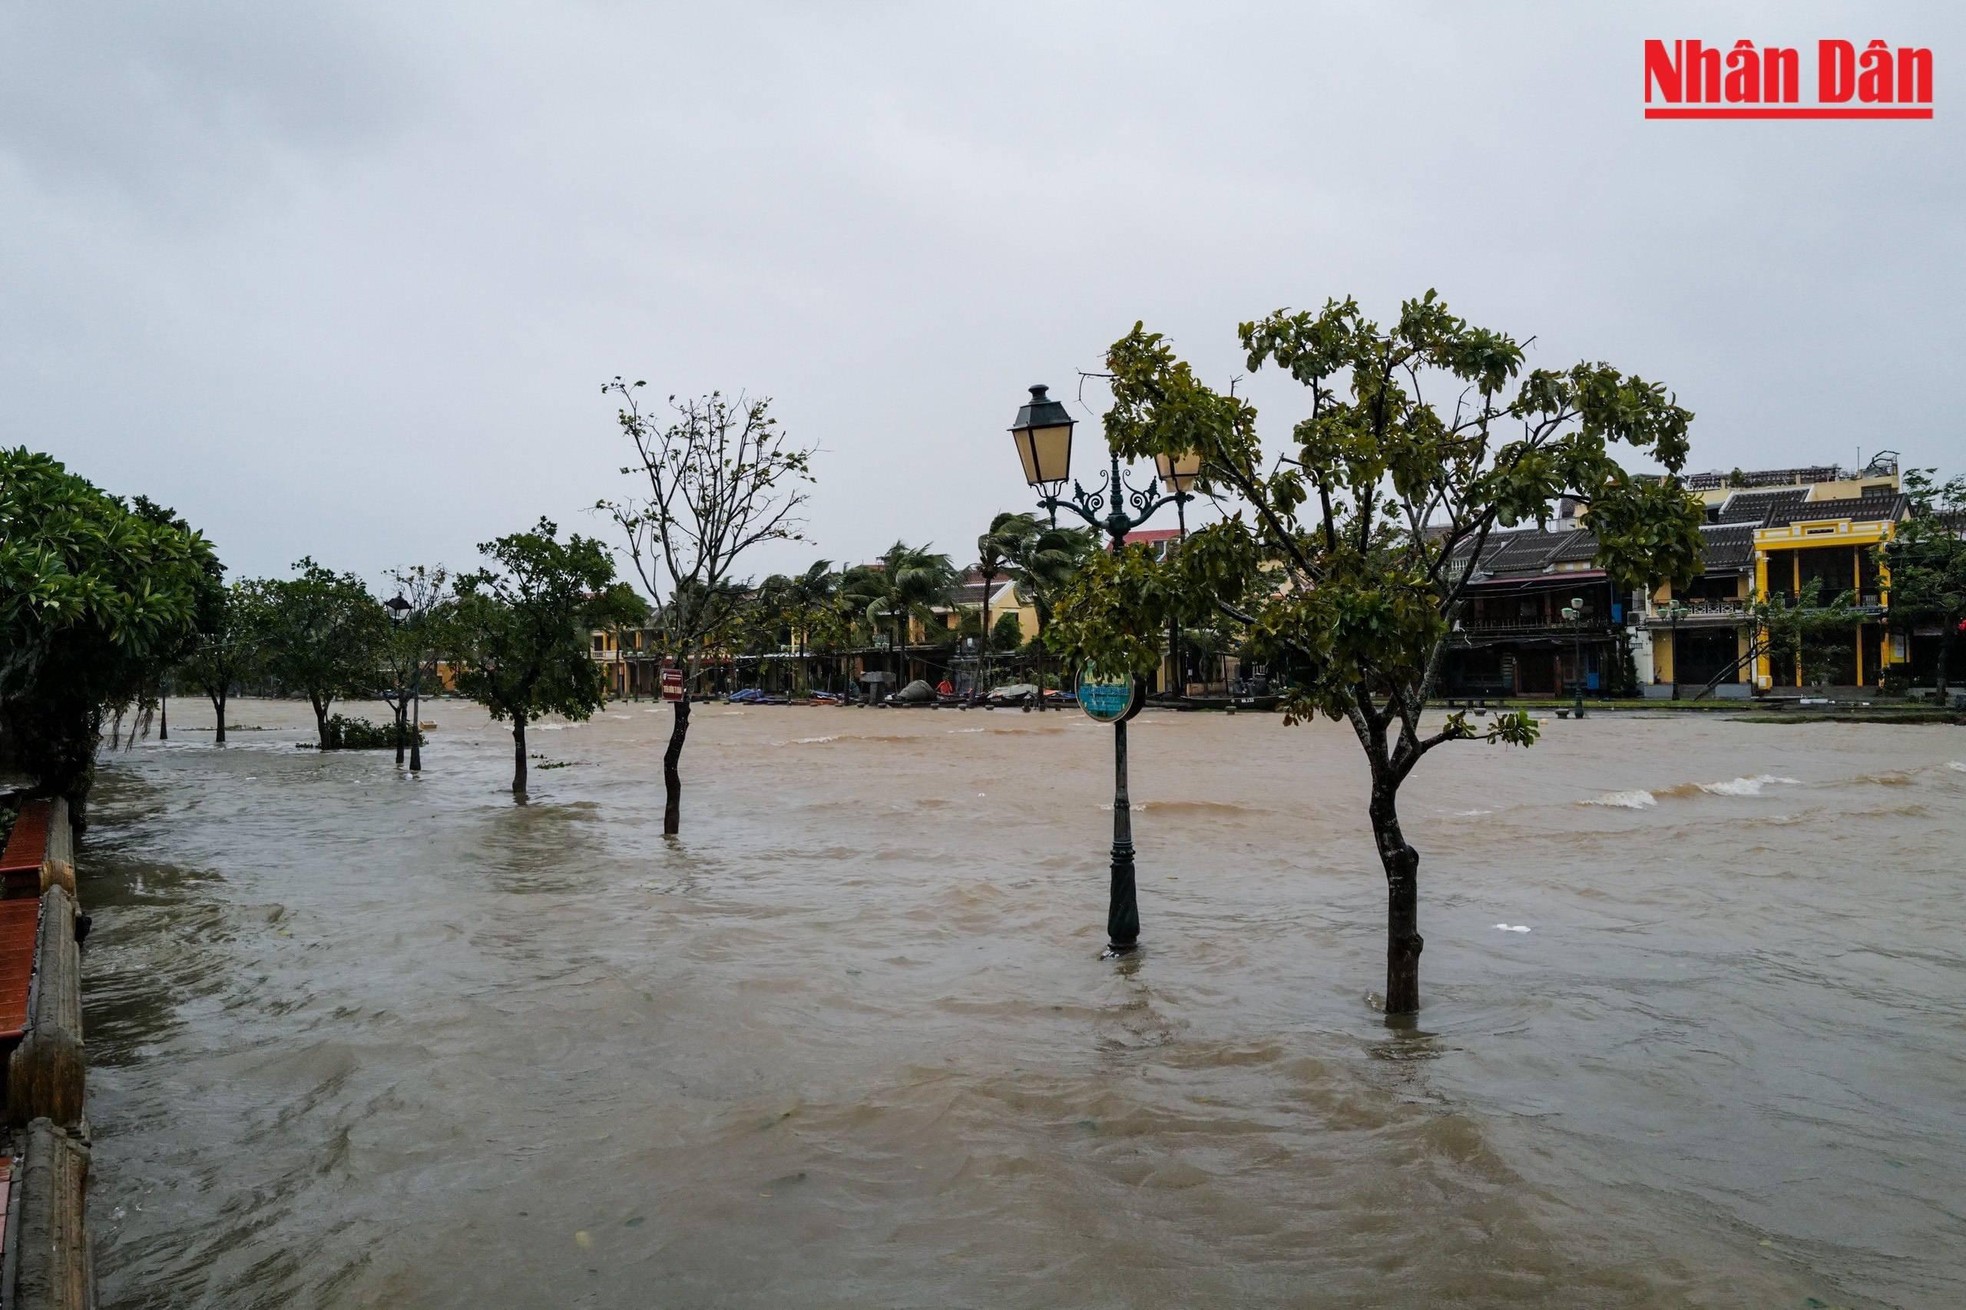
(344, 280)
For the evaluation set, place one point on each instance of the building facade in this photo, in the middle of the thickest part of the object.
(1786, 537)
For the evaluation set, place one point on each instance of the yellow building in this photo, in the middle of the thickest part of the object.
(1776, 534)
(1828, 548)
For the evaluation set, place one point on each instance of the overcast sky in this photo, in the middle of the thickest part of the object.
(345, 279)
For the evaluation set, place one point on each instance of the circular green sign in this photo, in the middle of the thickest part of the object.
(1105, 698)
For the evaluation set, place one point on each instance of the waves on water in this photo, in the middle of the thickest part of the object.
(1746, 786)
(1636, 799)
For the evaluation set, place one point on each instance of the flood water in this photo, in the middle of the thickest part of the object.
(360, 1039)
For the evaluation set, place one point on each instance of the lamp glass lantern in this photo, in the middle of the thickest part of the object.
(398, 607)
(1178, 472)
(1043, 433)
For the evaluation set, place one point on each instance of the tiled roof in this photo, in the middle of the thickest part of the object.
(1727, 546)
(1887, 507)
(1755, 506)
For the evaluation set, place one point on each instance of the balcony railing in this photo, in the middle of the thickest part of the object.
(1466, 629)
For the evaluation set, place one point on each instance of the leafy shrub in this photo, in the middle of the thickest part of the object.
(1896, 680)
(346, 734)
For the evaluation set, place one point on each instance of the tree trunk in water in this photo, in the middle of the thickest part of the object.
(402, 713)
(1040, 666)
(518, 754)
(1403, 940)
(321, 722)
(163, 718)
(218, 707)
(672, 777)
(980, 681)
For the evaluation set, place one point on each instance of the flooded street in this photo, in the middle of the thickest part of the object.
(360, 1039)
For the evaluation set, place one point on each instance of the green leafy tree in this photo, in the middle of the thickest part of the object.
(991, 564)
(98, 600)
(522, 630)
(1042, 560)
(807, 596)
(226, 652)
(722, 478)
(622, 610)
(1347, 553)
(909, 583)
(1926, 563)
(1805, 633)
(321, 635)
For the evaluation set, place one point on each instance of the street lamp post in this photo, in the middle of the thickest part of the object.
(1043, 433)
(1574, 612)
(400, 615)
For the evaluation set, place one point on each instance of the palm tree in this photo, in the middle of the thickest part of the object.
(1042, 558)
(806, 595)
(908, 581)
(1005, 530)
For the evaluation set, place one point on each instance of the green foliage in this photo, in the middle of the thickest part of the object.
(345, 734)
(419, 626)
(1349, 552)
(522, 625)
(1345, 555)
(1925, 561)
(98, 599)
(321, 635)
(1041, 559)
(1809, 628)
(909, 583)
(226, 651)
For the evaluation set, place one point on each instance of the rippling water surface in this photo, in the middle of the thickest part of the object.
(359, 1039)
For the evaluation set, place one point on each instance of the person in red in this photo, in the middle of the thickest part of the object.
(945, 687)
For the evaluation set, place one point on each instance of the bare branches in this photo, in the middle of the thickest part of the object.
(722, 478)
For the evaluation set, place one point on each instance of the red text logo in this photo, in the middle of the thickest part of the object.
(1687, 79)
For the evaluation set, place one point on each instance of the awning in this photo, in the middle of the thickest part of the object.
(1554, 581)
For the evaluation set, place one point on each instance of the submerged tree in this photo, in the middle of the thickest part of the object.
(722, 478)
(227, 649)
(418, 613)
(521, 630)
(1348, 552)
(321, 635)
(1926, 562)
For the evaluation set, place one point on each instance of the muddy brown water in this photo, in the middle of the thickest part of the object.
(359, 1039)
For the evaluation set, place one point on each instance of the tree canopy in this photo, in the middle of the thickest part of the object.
(1926, 561)
(522, 629)
(1348, 550)
(321, 635)
(98, 598)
